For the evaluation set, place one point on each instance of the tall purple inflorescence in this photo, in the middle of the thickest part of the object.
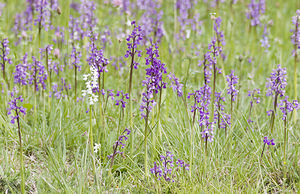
(87, 17)
(20, 75)
(154, 84)
(151, 20)
(4, 52)
(53, 8)
(133, 40)
(75, 59)
(207, 64)
(286, 107)
(43, 14)
(96, 58)
(219, 34)
(265, 39)
(147, 100)
(232, 80)
(214, 52)
(277, 82)
(276, 88)
(50, 65)
(156, 70)
(37, 74)
(255, 10)
(75, 30)
(295, 37)
(202, 100)
(187, 21)
(23, 21)
(14, 110)
(222, 119)
(75, 63)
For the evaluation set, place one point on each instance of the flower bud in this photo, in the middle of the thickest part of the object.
(56, 53)
(58, 10)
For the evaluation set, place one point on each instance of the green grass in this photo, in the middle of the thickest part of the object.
(55, 142)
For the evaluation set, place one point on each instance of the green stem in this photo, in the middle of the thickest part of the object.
(75, 81)
(213, 94)
(101, 114)
(131, 126)
(145, 141)
(273, 113)
(159, 105)
(129, 93)
(192, 142)
(21, 156)
(262, 153)
(285, 146)
(91, 130)
(49, 76)
(92, 144)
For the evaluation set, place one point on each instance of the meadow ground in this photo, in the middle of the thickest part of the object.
(173, 123)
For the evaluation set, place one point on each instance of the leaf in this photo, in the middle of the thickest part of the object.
(28, 106)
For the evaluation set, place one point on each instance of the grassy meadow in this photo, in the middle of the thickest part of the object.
(68, 142)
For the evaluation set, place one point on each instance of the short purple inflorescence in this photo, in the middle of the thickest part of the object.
(119, 143)
(254, 95)
(167, 168)
(134, 39)
(286, 107)
(75, 59)
(269, 141)
(175, 84)
(232, 80)
(122, 97)
(13, 107)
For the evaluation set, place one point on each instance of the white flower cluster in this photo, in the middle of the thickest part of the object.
(91, 83)
(97, 147)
